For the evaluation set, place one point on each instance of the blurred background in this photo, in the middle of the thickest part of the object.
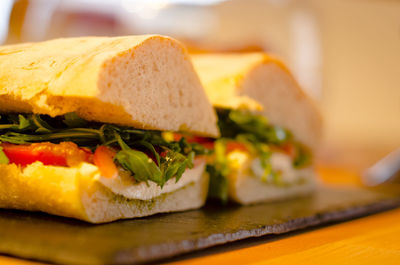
(345, 53)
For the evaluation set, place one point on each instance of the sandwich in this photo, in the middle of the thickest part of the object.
(269, 128)
(84, 128)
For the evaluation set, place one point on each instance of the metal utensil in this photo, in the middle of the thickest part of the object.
(385, 170)
(5, 11)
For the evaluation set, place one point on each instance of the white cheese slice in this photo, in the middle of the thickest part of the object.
(125, 185)
(241, 162)
(280, 162)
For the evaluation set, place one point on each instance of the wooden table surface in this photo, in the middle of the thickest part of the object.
(370, 240)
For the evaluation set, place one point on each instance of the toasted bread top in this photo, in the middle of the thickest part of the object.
(147, 82)
(258, 81)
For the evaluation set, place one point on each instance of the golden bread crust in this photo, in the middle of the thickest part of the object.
(77, 193)
(142, 81)
(266, 82)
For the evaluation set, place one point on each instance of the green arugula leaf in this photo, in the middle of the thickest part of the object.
(3, 158)
(134, 143)
(152, 150)
(181, 169)
(18, 123)
(24, 123)
(218, 172)
(303, 157)
(42, 126)
(255, 127)
(142, 167)
(218, 185)
(72, 120)
(66, 135)
(220, 156)
(176, 164)
(258, 135)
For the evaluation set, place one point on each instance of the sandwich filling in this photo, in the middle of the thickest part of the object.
(249, 145)
(127, 158)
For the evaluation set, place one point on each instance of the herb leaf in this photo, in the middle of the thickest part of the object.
(24, 123)
(142, 167)
(303, 157)
(218, 187)
(219, 171)
(254, 127)
(3, 157)
(73, 120)
(176, 164)
(259, 136)
(43, 127)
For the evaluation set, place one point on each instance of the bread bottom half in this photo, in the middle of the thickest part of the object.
(77, 193)
(246, 189)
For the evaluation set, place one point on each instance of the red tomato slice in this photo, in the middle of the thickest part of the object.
(104, 159)
(289, 149)
(208, 143)
(62, 154)
(23, 155)
(199, 160)
(232, 145)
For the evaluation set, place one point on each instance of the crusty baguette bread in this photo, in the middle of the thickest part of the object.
(258, 82)
(78, 193)
(231, 79)
(146, 82)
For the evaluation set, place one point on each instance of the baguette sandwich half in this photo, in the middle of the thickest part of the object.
(82, 128)
(269, 128)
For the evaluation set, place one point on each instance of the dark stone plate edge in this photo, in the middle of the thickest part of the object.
(166, 251)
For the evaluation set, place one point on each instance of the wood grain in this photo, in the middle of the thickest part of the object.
(370, 240)
(14, 261)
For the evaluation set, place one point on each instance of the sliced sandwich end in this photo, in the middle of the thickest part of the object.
(79, 193)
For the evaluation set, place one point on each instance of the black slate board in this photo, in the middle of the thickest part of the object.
(65, 241)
